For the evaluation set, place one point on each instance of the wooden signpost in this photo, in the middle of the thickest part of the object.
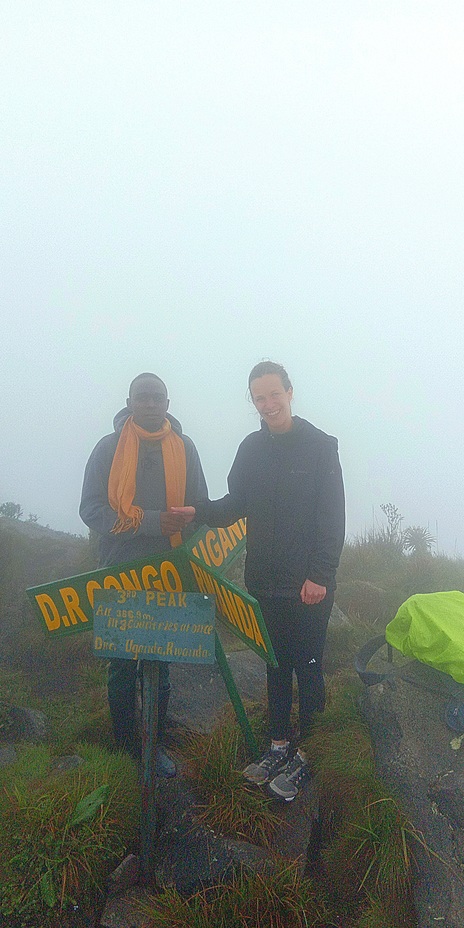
(153, 609)
(153, 626)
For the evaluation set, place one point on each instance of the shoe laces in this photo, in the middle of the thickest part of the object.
(272, 759)
(296, 769)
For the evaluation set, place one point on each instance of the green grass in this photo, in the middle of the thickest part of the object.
(227, 804)
(276, 898)
(368, 844)
(53, 857)
(379, 913)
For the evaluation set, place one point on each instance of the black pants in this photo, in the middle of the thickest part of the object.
(298, 634)
(122, 678)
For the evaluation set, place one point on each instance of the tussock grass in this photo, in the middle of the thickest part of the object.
(278, 898)
(228, 804)
(52, 857)
(372, 852)
(368, 840)
(381, 914)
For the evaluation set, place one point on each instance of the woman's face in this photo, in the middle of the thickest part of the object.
(272, 401)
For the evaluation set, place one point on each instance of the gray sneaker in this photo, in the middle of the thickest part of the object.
(266, 767)
(287, 783)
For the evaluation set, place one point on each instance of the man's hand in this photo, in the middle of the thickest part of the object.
(171, 522)
(312, 593)
(187, 513)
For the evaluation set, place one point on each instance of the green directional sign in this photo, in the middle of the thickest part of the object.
(218, 547)
(168, 579)
(66, 606)
(239, 611)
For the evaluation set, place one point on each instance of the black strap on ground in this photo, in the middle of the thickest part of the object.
(364, 655)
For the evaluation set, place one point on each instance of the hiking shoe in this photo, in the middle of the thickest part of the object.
(286, 784)
(266, 767)
(164, 766)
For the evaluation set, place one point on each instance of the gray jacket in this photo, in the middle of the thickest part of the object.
(150, 494)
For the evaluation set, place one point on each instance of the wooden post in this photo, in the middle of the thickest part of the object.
(150, 678)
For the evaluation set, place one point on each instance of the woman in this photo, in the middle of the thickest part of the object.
(286, 480)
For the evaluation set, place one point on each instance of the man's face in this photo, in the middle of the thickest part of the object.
(148, 403)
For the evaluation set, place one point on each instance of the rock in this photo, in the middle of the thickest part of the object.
(415, 756)
(123, 912)
(27, 725)
(369, 602)
(189, 854)
(125, 876)
(299, 819)
(192, 855)
(8, 755)
(66, 762)
(337, 617)
(198, 693)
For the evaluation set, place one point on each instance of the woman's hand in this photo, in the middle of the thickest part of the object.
(187, 512)
(312, 593)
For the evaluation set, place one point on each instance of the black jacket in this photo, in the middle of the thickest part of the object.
(290, 489)
(150, 494)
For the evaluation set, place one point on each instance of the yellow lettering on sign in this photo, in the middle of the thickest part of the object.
(204, 553)
(148, 578)
(230, 605)
(133, 584)
(241, 610)
(110, 583)
(226, 543)
(238, 529)
(232, 609)
(101, 645)
(70, 598)
(256, 630)
(49, 611)
(214, 550)
(92, 585)
(216, 546)
(170, 577)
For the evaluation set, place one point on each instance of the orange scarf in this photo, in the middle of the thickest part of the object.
(122, 479)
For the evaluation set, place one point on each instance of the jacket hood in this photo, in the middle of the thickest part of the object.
(124, 414)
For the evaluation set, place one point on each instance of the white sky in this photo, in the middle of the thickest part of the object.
(190, 187)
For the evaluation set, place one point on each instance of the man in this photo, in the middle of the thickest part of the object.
(132, 479)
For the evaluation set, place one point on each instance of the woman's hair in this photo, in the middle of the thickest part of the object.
(269, 367)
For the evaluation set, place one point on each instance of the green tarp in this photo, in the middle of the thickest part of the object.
(430, 627)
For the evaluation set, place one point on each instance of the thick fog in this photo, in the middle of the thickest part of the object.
(190, 187)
